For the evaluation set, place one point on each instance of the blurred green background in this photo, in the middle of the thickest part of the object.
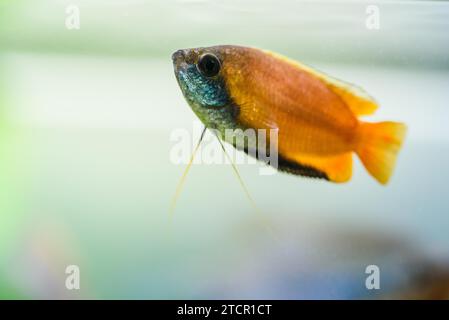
(85, 176)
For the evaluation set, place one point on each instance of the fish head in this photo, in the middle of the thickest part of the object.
(199, 72)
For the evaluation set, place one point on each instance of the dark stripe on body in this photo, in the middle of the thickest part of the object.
(288, 166)
(299, 169)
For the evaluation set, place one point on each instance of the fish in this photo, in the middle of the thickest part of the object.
(317, 117)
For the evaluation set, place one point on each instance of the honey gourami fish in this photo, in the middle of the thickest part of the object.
(233, 87)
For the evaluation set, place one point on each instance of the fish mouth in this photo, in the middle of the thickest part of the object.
(179, 63)
(179, 58)
(178, 55)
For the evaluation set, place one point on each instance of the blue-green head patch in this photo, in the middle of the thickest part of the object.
(199, 77)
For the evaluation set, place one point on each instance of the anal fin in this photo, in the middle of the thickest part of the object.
(337, 168)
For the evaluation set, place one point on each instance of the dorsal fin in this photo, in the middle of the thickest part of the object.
(360, 102)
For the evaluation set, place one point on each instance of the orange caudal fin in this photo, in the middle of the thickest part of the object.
(378, 146)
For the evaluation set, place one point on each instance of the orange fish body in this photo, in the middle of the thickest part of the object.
(316, 116)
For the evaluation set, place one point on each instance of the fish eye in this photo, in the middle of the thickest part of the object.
(208, 65)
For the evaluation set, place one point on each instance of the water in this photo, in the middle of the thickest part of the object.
(87, 117)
